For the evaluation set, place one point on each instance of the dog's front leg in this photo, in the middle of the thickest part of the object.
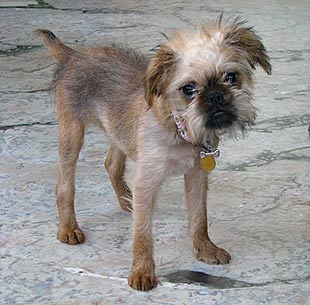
(142, 276)
(196, 185)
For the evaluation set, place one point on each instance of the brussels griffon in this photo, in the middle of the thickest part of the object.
(166, 114)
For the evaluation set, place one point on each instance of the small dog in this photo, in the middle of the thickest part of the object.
(166, 113)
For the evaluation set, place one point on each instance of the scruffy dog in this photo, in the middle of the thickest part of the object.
(166, 113)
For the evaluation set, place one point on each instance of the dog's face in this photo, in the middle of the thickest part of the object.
(207, 78)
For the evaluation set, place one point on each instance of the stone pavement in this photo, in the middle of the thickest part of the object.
(259, 199)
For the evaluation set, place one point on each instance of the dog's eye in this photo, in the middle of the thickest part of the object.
(231, 78)
(189, 90)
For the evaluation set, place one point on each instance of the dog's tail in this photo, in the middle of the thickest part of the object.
(58, 49)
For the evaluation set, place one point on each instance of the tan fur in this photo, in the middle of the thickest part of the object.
(59, 50)
(71, 134)
(115, 165)
(132, 100)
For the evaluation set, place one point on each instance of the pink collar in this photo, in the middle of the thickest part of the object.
(179, 121)
(207, 154)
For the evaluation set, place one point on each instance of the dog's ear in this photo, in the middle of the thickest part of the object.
(158, 72)
(245, 39)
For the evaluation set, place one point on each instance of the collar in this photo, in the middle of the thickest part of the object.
(179, 122)
(207, 153)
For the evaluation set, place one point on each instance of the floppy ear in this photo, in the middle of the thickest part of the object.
(158, 71)
(248, 42)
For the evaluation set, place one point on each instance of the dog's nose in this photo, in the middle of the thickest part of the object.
(215, 98)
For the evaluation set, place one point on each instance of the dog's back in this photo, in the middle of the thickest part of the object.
(96, 78)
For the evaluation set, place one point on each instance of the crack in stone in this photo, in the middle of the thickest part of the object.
(267, 157)
(18, 50)
(292, 55)
(276, 201)
(6, 127)
(106, 11)
(86, 10)
(40, 4)
(293, 94)
(95, 10)
(26, 91)
(39, 69)
(123, 27)
(279, 123)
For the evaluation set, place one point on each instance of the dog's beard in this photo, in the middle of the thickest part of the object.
(231, 121)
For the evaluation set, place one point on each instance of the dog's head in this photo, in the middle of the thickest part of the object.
(207, 78)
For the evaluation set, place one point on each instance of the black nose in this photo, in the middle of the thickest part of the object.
(215, 98)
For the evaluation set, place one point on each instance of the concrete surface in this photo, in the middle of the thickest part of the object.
(259, 195)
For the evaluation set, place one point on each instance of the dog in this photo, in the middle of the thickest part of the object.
(166, 113)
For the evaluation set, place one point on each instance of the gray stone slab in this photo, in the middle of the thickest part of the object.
(258, 201)
(17, 3)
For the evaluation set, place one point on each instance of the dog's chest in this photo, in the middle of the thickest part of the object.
(171, 159)
(180, 159)
(163, 151)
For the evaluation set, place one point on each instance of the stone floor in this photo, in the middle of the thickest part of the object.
(259, 199)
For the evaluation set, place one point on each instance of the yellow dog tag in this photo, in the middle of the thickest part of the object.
(208, 163)
(207, 159)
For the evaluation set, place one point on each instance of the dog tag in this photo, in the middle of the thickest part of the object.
(207, 160)
(208, 163)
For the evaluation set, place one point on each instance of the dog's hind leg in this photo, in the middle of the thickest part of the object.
(115, 165)
(71, 136)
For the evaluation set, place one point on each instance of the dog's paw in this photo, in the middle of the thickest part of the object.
(125, 200)
(126, 204)
(211, 254)
(142, 278)
(71, 236)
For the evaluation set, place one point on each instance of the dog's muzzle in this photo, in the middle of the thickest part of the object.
(220, 113)
(215, 98)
